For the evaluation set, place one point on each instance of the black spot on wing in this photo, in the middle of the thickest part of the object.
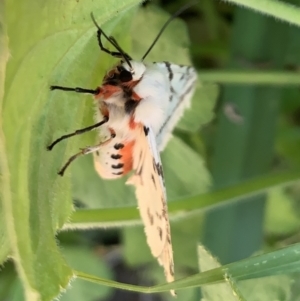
(169, 238)
(164, 211)
(182, 76)
(185, 74)
(159, 169)
(187, 91)
(154, 165)
(160, 232)
(172, 93)
(150, 216)
(171, 74)
(146, 130)
(120, 165)
(97, 153)
(140, 169)
(153, 180)
(118, 146)
(117, 156)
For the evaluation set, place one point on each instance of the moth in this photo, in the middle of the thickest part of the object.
(138, 105)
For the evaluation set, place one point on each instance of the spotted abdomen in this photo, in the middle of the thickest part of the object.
(115, 159)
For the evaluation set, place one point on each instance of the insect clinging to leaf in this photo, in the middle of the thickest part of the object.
(138, 104)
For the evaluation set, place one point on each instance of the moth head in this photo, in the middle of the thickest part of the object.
(124, 75)
(137, 69)
(117, 76)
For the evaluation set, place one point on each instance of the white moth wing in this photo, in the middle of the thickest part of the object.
(182, 86)
(151, 195)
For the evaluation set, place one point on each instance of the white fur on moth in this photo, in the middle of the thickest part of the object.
(138, 106)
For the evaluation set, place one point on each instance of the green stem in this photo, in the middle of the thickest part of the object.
(258, 266)
(274, 78)
(128, 215)
(111, 283)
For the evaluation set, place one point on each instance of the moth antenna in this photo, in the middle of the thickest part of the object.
(176, 14)
(125, 56)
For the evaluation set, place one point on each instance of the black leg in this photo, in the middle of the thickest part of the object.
(77, 89)
(77, 132)
(120, 53)
(113, 40)
(102, 48)
(84, 151)
(71, 159)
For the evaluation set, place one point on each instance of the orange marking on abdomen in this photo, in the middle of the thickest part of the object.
(127, 152)
(131, 84)
(132, 124)
(107, 91)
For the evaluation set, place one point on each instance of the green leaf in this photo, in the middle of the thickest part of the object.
(50, 43)
(88, 261)
(268, 288)
(4, 178)
(281, 217)
(10, 284)
(217, 292)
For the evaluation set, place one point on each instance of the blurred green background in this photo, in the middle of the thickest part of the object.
(242, 127)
